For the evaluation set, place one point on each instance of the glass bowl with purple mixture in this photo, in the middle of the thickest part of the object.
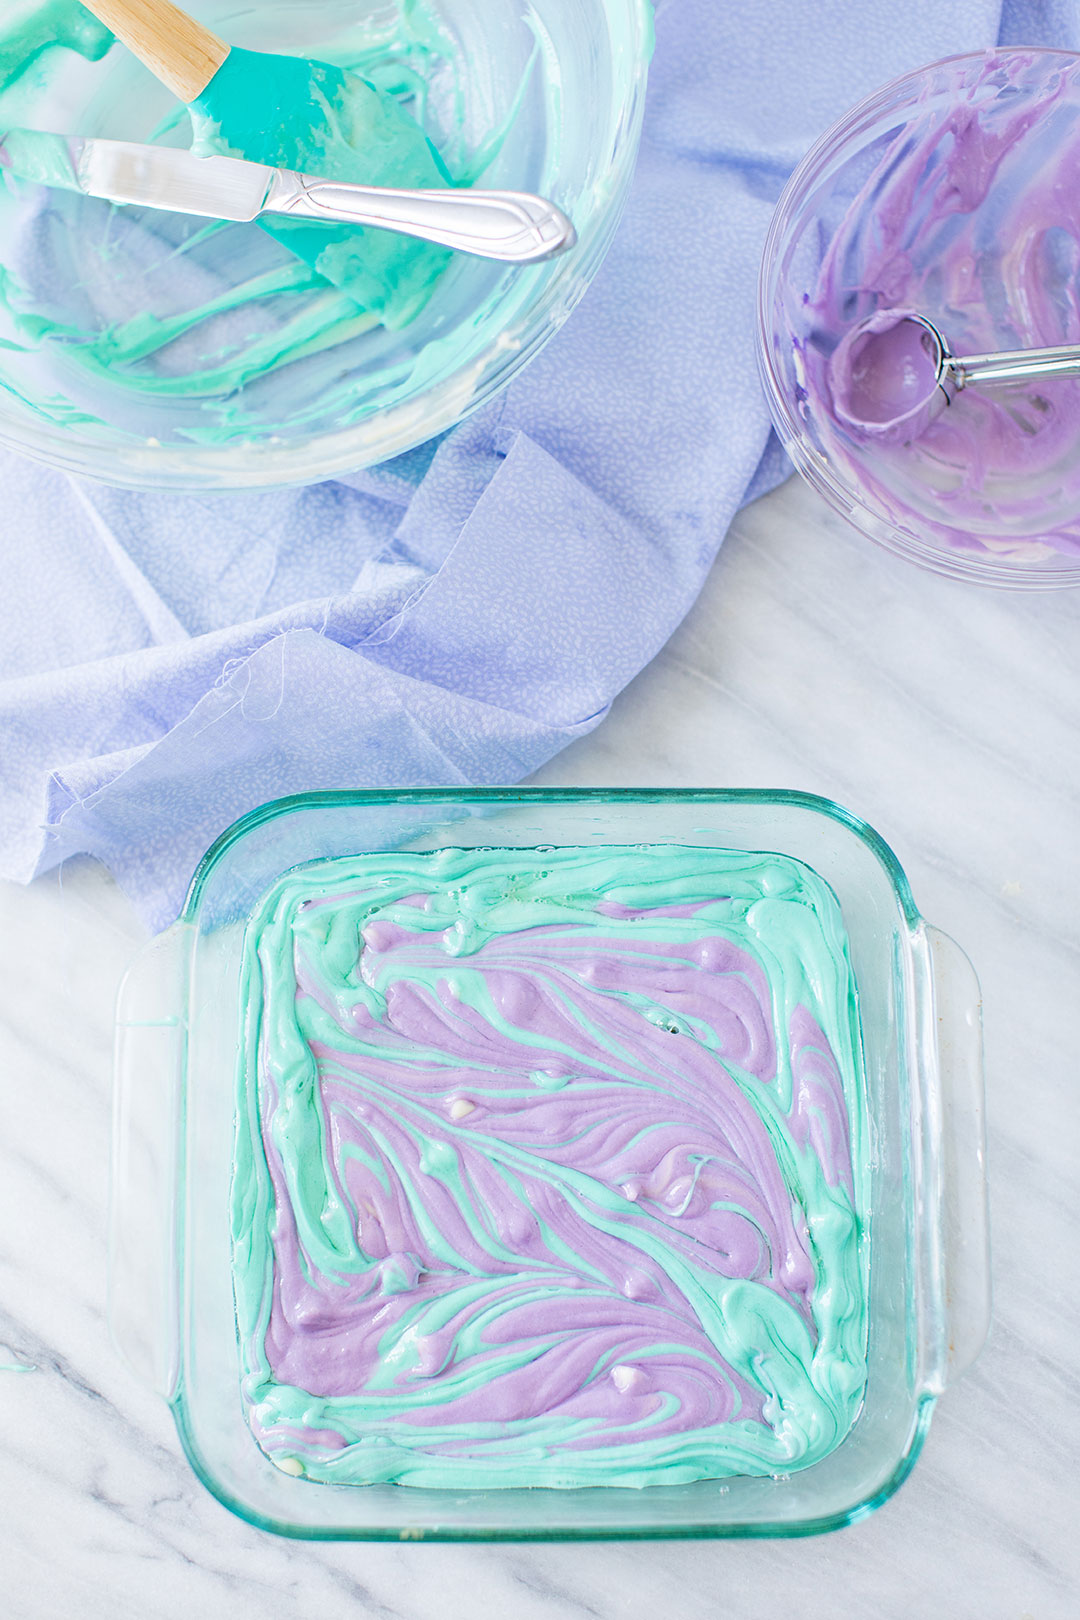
(950, 193)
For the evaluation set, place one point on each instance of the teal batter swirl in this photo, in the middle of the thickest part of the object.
(550, 1169)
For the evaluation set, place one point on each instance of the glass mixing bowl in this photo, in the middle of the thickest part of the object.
(172, 1309)
(942, 193)
(551, 91)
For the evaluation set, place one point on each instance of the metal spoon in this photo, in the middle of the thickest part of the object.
(922, 394)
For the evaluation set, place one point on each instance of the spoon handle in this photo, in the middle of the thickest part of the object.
(1016, 365)
(513, 226)
(179, 51)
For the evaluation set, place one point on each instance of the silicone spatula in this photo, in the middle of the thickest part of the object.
(291, 113)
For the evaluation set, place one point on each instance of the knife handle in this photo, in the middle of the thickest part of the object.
(179, 51)
(513, 226)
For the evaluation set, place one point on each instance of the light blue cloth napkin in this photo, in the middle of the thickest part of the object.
(458, 615)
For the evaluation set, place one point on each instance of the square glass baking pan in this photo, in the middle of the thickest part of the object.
(171, 1296)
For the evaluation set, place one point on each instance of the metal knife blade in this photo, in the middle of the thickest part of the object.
(512, 226)
(152, 176)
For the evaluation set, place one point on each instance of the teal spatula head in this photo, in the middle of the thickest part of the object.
(322, 120)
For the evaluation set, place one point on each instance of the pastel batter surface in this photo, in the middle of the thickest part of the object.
(550, 1168)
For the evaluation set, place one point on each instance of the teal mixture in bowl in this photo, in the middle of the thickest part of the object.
(164, 351)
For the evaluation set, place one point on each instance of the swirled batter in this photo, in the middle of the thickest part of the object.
(549, 1168)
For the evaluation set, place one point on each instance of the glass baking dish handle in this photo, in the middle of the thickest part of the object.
(966, 1223)
(142, 1302)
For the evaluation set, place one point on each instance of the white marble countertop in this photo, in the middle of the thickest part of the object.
(947, 716)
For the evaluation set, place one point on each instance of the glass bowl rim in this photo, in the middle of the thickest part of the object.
(842, 497)
(814, 803)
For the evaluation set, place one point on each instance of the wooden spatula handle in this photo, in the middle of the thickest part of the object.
(179, 51)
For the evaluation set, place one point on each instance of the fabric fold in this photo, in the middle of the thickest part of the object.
(456, 616)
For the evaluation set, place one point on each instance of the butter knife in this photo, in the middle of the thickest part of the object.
(512, 226)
